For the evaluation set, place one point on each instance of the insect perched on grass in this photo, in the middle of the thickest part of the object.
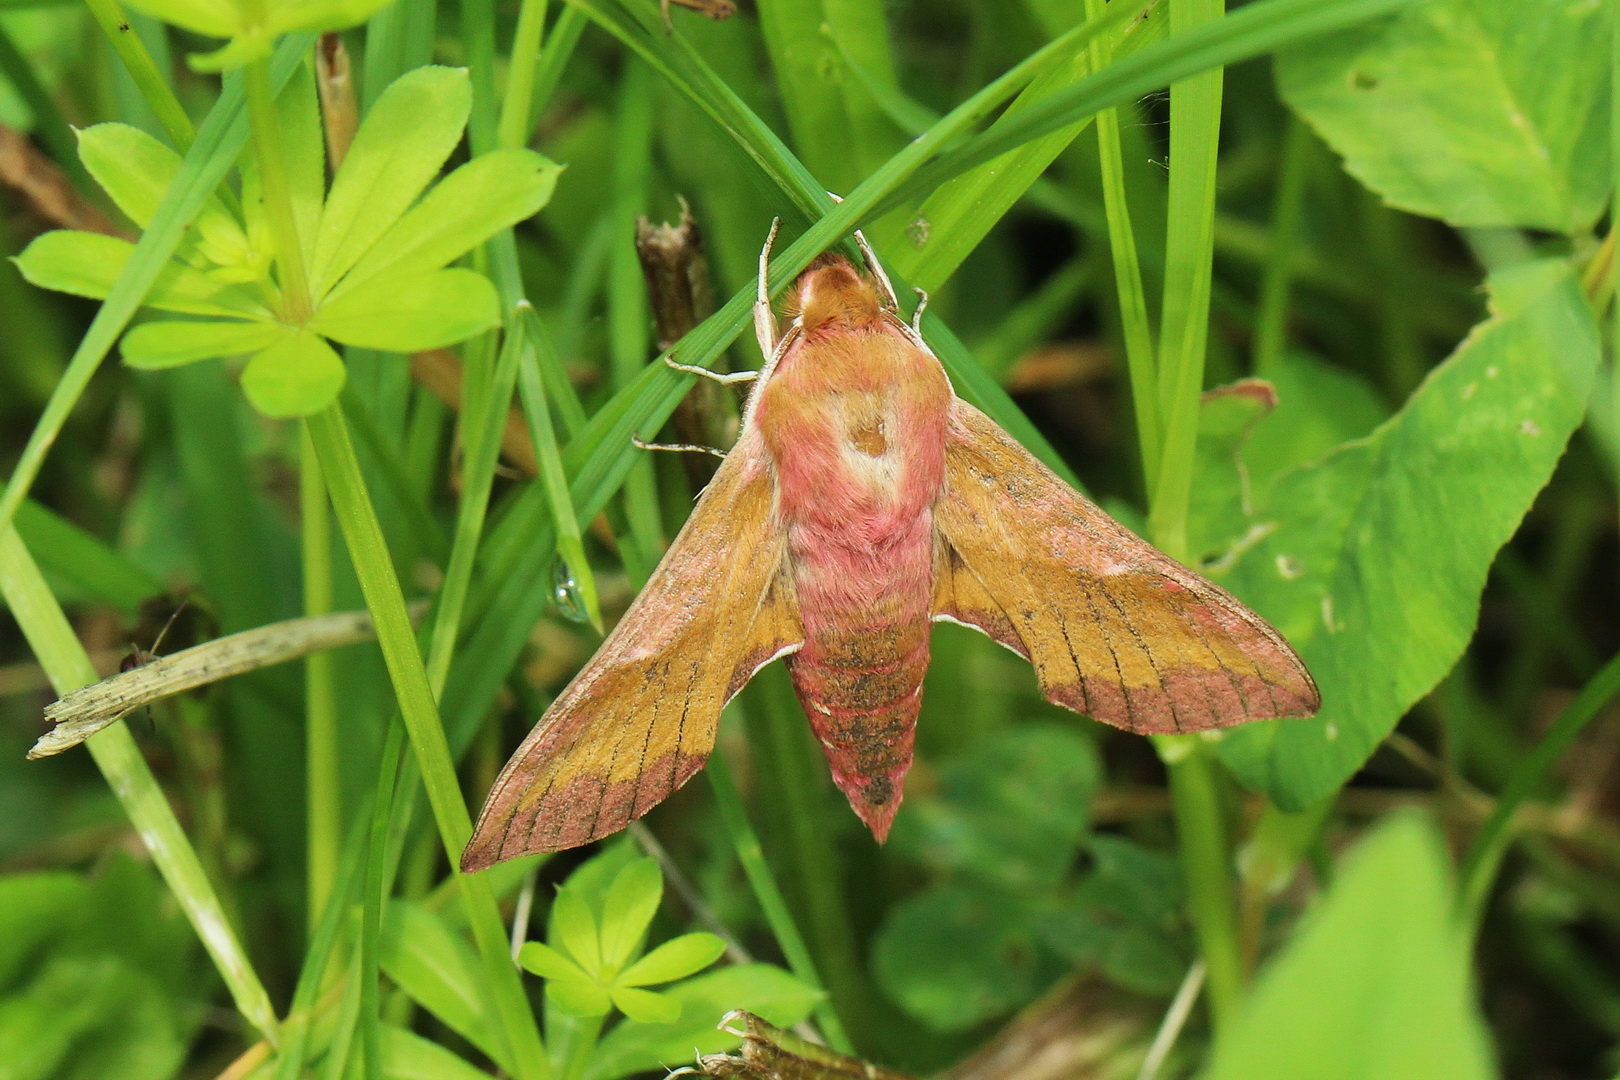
(863, 501)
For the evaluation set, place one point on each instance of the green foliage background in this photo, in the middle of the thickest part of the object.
(1396, 215)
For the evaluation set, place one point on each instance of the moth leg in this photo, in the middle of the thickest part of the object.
(885, 287)
(922, 306)
(723, 378)
(688, 447)
(764, 317)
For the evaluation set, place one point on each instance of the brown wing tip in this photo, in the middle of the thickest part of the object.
(1191, 700)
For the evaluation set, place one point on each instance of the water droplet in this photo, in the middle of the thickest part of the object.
(566, 594)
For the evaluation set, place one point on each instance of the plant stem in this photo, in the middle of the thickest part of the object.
(1206, 865)
(273, 182)
(771, 900)
(1485, 853)
(68, 667)
(138, 62)
(322, 779)
(367, 550)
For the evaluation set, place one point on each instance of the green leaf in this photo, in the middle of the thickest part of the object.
(628, 909)
(1376, 984)
(168, 343)
(489, 193)
(762, 989)
(440, 972)
(408, 1056)
(1480, 112)
(1125, 916)
(89, 264)
(578, 997)
(542, 960)
(956, 955)
(645, 1006)
(573, 928)
(303, 148)
(131, 166)
(409, 312)
(297, 376)
(1373, 559)
(399, 148)
(674, 959)
(1319, 406)
(1011, 811)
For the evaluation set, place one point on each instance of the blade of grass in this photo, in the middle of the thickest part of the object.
(1271, 314)
(1484, 855)
(153, 85)
(68, 667)
(322, 776)
(628, 319)
(769, 895)
(1141, 361)
(512, 129)
(398, 640)
(1253, 30)
(101, 573)
(210, 156)
(564, 522)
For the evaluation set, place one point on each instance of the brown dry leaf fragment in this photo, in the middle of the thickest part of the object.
(42, 182)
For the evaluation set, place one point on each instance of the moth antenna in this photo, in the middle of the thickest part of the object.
(922, 306)
(764, 318)
(885, 288)
(158, 641)
(723, 378)
(688, 447)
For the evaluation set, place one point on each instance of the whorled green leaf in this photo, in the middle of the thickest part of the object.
(439, 970)
(1479, 112)
(409, 312)
(763, 989)
(579, 997)
(303, 148)
(674, 959)
(398, 150)
(297, 376)
(491, 192)
(628, 909)
(541, 959)
(88, 264)
(574, 931)
(1376, 982)
(646, 1006)
(132, 167)
(170, 343)
(1371, 561)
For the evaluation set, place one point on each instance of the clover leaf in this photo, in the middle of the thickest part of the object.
(375, 248)
(591, 966)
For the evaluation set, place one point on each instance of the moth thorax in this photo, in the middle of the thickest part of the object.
(831, 292)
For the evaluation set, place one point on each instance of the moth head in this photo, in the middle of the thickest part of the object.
(832, 293)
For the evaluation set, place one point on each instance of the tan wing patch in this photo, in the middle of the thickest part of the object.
(639, 720)
(1115, 629)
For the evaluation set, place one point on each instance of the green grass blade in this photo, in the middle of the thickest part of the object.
(1253, 30)
(148, 78)
(68, 667)
(102, 574)
(553, 478)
